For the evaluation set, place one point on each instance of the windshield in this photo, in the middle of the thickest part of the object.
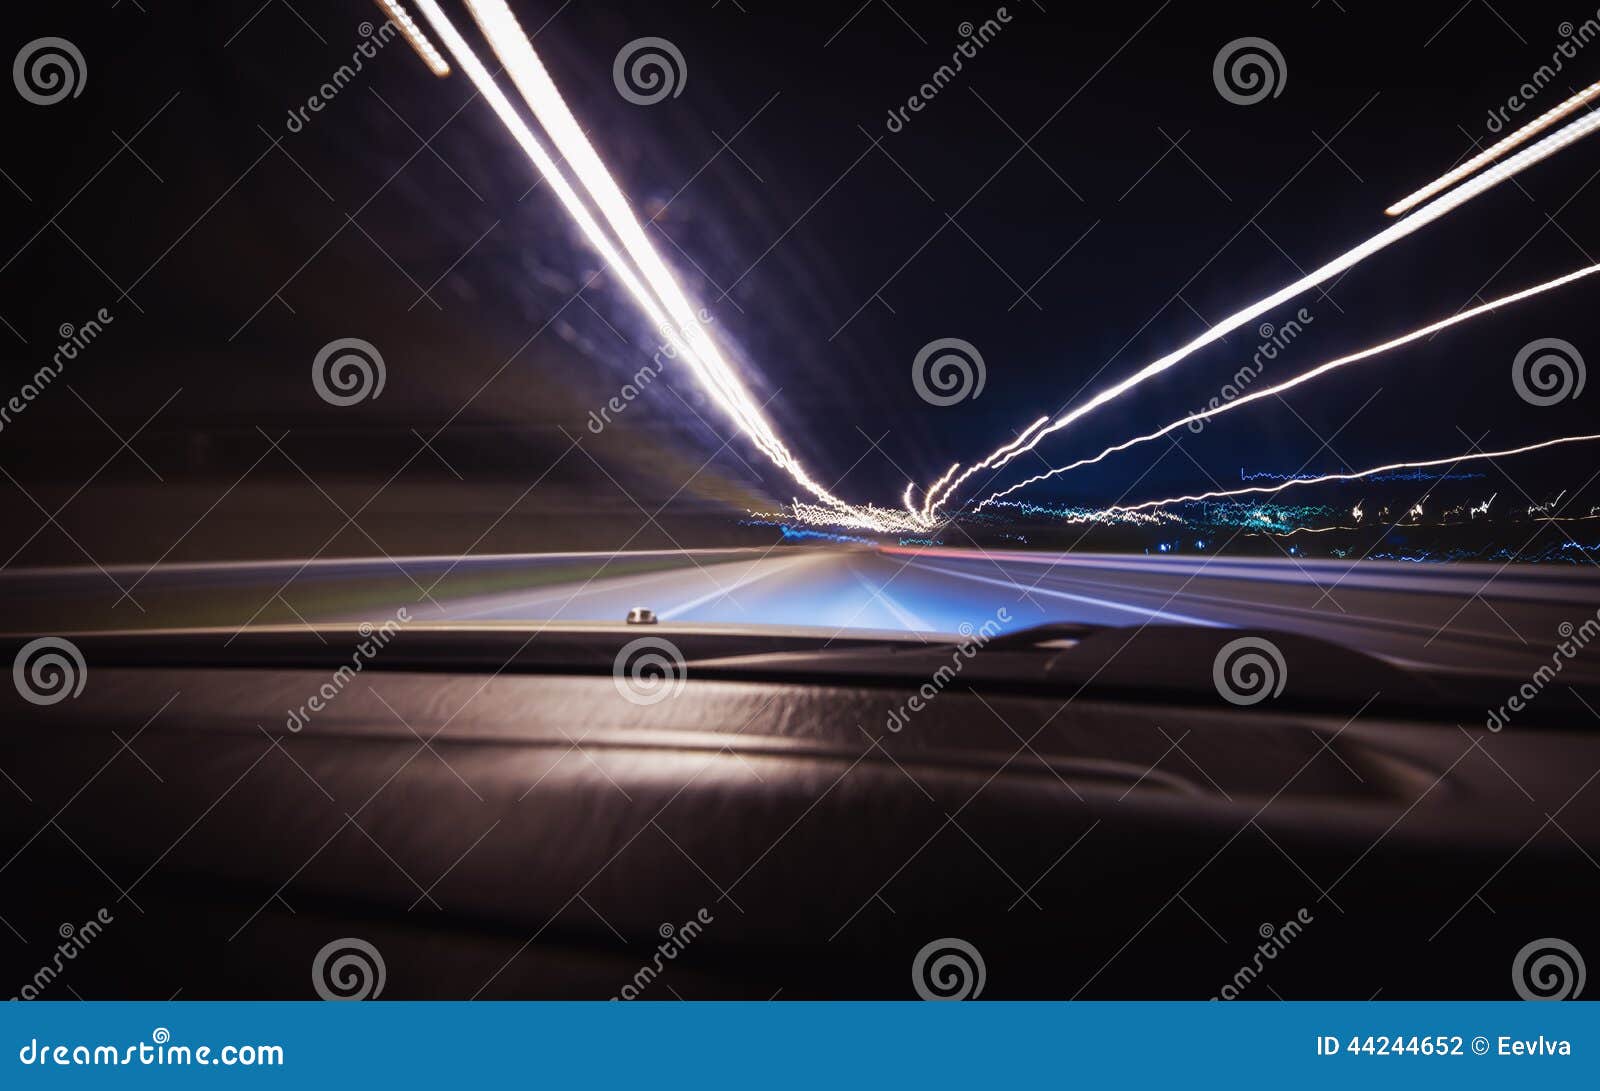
(315, 319)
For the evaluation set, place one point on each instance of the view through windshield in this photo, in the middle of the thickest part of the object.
(481, 322)
(855, 501)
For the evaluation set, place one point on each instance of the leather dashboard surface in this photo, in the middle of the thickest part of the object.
(535, 836)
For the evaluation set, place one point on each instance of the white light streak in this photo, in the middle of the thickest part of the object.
(861, 517)
(657, 293)
(1472, 456)
(1303, 377)
(652, 286)
(1497, 149)
(1441, 206)
(418, 40)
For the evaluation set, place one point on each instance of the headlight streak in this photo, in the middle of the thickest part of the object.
(1496, 150)
(860, 517)
(1439, 207)
(1251, 517)
(515, 51)
(1068, 514)
(653, 287)
(414, 36)
(1547, 505)
(1303, 377)
(663, 302)
(1471, 456)
(1268, 475)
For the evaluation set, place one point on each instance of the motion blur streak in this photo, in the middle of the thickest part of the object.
(1303, 377)
(1497, 149)
(1441, 206)
(512, 47)
(666, 306)
(413, 34)
(1472, 456)
(951, 472)
(859, 517)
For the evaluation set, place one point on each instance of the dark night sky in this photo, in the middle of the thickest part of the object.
(827, 260)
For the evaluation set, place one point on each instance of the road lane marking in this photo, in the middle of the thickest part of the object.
(905, 617)
(1164, 615)
(599, 585)
(722, 592)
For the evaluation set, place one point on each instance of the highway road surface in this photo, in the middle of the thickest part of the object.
(1466, 616)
